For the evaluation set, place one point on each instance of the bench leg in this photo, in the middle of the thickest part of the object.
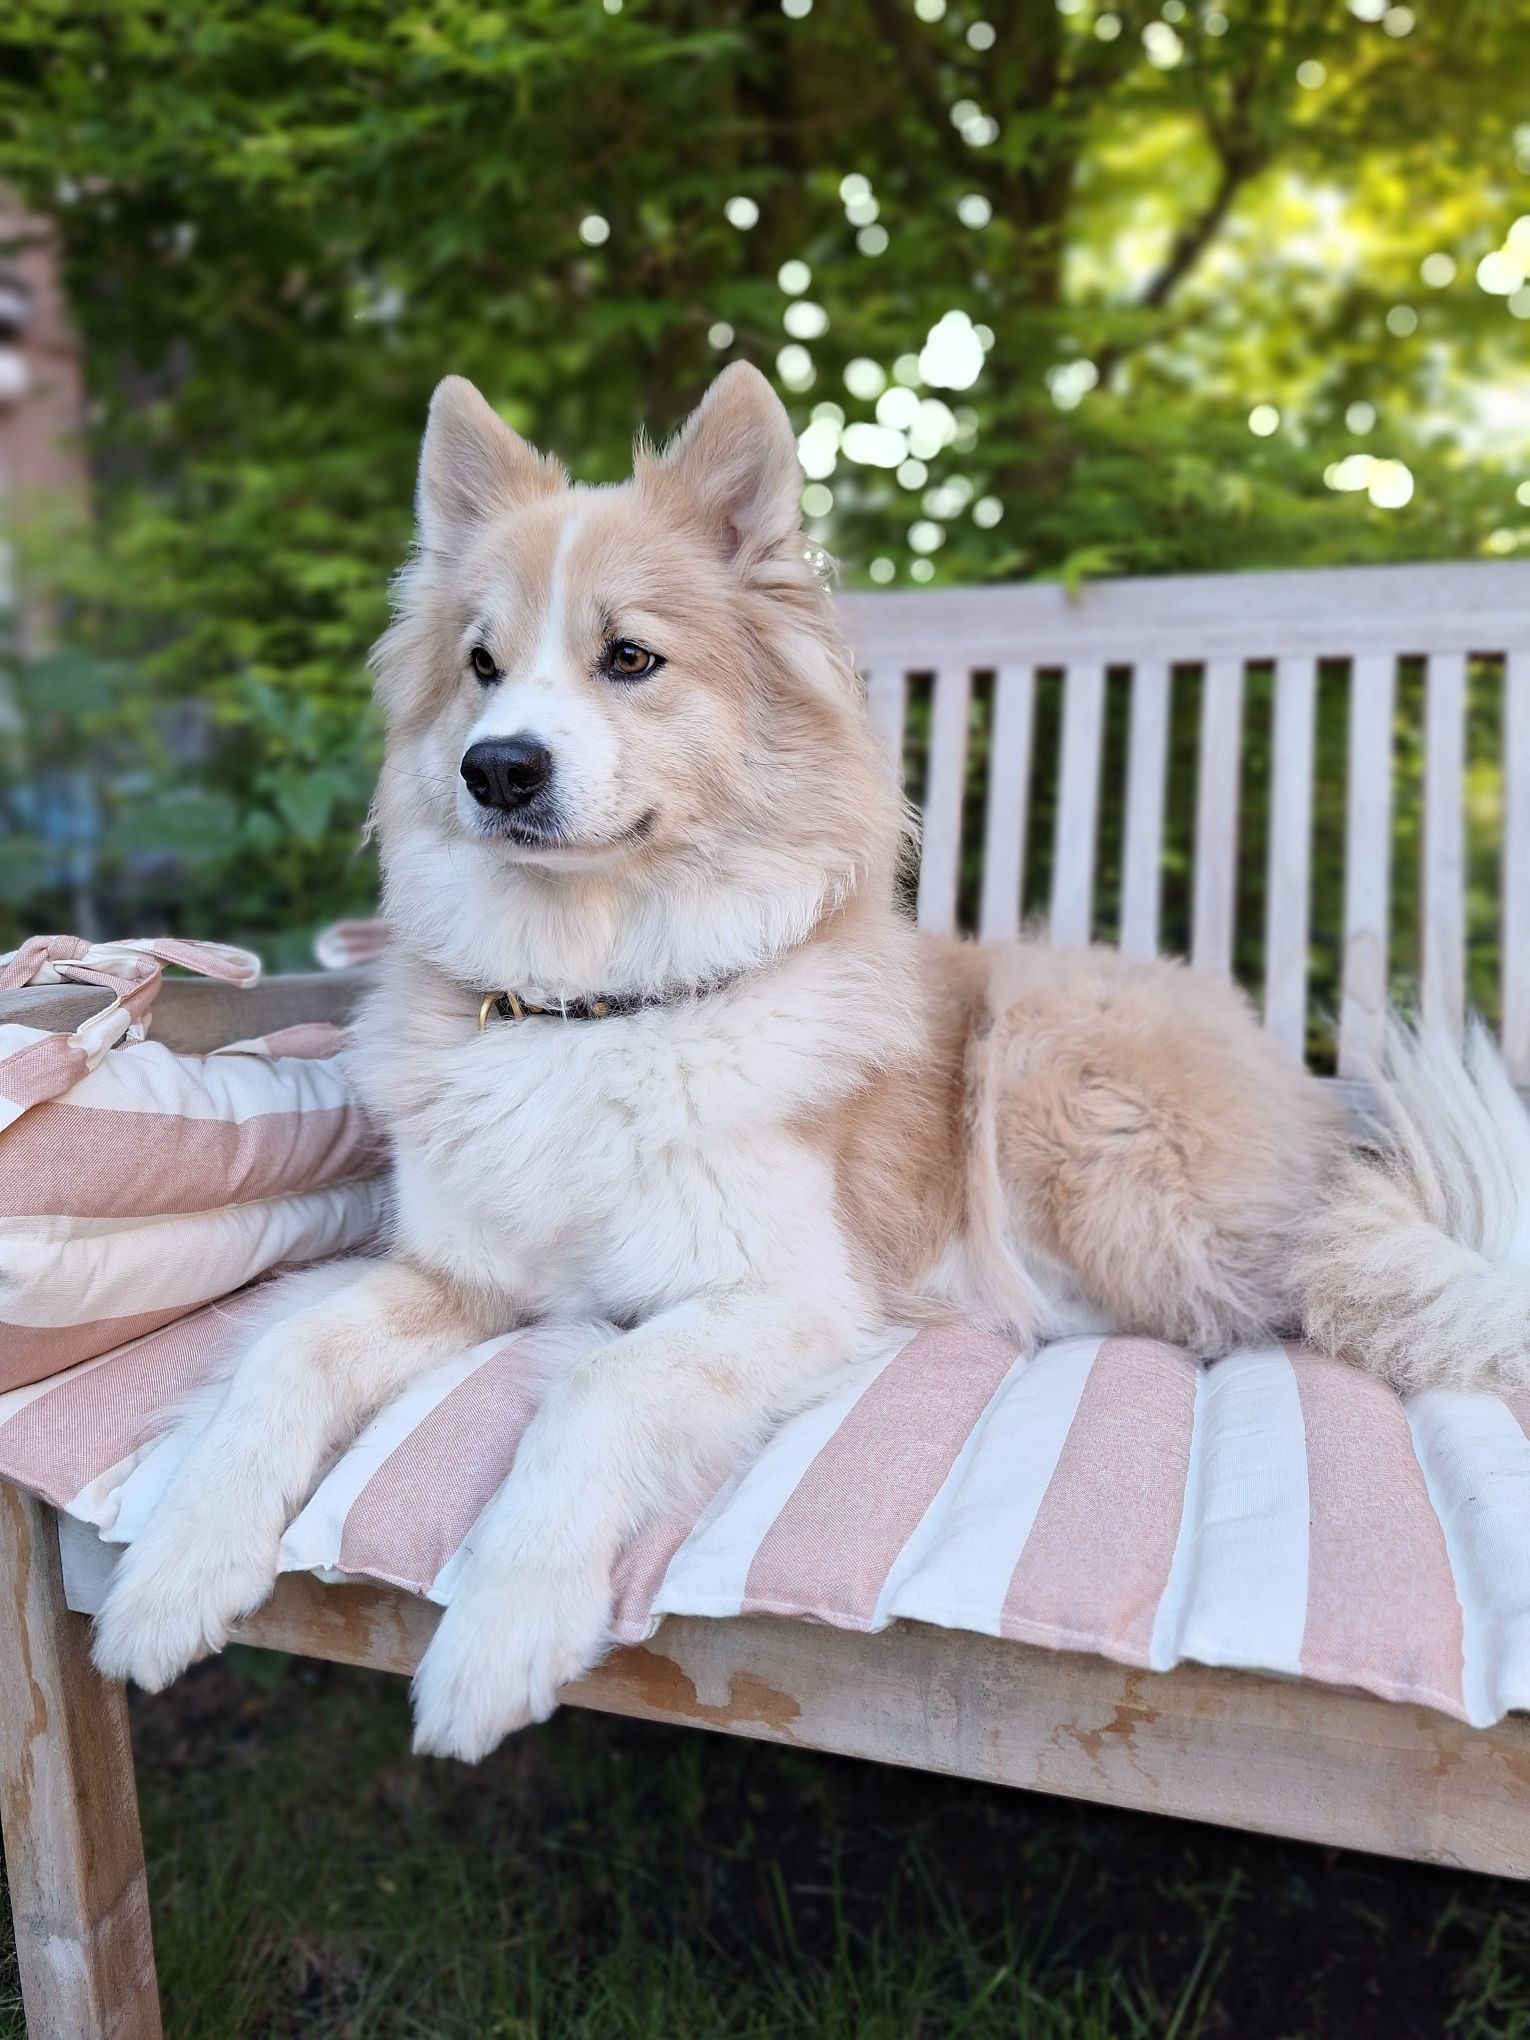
(68, 1805)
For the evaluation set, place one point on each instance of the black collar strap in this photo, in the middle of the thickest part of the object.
(511, 1006)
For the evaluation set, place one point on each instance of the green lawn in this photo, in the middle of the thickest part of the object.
(607, 1879)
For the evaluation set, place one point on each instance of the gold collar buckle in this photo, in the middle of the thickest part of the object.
(514, 1010)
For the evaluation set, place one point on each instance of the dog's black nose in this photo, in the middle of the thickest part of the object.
(506, 772)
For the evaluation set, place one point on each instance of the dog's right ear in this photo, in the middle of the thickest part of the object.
(472, 467)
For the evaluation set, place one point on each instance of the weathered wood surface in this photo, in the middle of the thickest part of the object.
(1009, 795)
(1216, 818)
(1078, 805)
(1515, 924)
(1288, 888)
(1333, 612)
(68, 1805)
(1277, 1756)
(1367, 862)
(192, 1015)
(1443, 1000)
(940, 865)
(1147, 769)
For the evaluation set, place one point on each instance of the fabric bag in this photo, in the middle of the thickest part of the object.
(137, 1184)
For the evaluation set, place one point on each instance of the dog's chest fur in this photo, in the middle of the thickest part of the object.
(618, 1166)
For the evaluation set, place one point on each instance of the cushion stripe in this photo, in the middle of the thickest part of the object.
(29, 1353)
(1382, 1609)
(1097, 1560)
(708, 1574)
(1475, 1460)
(40, 1070)
(234, 1083)
(640, 1574)
(58, 1442)
(865, 1493)
(64, 1159)
(956, 1568)
(475, 1431)
(1237, 1593)
(70, 1271)
(309, 1040)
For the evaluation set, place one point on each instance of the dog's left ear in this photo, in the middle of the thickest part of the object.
(735, 459)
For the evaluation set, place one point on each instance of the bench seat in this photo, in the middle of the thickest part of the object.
(1277, 1513)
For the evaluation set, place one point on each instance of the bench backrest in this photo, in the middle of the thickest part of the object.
(1371, 623)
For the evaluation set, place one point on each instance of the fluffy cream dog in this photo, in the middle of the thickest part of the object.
(750, 1116)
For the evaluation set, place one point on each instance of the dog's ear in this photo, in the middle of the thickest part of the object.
(735, 460)
(472, 466)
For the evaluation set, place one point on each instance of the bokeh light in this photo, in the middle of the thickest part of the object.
(864, 378)
(794, 365)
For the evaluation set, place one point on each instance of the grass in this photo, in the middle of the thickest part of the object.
(606, 1879)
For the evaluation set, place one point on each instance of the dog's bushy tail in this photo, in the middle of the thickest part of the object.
(1416, 1263)
(1416, 1266)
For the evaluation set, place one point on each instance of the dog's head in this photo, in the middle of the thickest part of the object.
(604, 702)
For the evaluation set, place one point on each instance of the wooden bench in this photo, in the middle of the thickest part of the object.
(1273, 1755)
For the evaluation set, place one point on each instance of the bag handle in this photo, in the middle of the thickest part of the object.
(131, 971)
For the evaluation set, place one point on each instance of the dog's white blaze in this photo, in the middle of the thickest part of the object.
(552, 703)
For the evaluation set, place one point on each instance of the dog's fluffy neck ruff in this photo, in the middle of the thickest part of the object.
(642, 934)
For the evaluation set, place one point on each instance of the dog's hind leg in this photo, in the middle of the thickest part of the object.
(1152, 1141)
(300, 1393)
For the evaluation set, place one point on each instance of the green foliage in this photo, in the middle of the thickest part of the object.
(281, 224)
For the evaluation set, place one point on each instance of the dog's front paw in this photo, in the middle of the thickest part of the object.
(503, 1648)
(174, 1598)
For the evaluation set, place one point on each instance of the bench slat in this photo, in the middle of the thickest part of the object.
(1367, 861)
(1288, 894)
(1444, 926)
(1009, 788)
(887, 701)
(1216, 818)
(1329, 613)
(1515, 962)
(940, 863)
(1146, 784)
(1078, 803)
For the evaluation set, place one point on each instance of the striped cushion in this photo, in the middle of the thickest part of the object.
(158, 1181)
(1277, 1512)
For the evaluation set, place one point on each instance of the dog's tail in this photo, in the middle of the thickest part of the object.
(1417, 1265)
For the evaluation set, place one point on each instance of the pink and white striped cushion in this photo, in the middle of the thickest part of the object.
(154, 1182)
(1276, 1512)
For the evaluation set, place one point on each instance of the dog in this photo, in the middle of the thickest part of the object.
(656, 1045)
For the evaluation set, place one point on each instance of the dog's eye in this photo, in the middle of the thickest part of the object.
(482, 662)
(631, 661)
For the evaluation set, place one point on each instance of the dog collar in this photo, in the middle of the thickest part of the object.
(511, 1006)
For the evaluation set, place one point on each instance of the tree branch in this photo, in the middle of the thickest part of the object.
(913, 53)
(1240, 156)
(1192, 240)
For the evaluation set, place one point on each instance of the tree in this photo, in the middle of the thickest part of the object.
(1023, 279)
